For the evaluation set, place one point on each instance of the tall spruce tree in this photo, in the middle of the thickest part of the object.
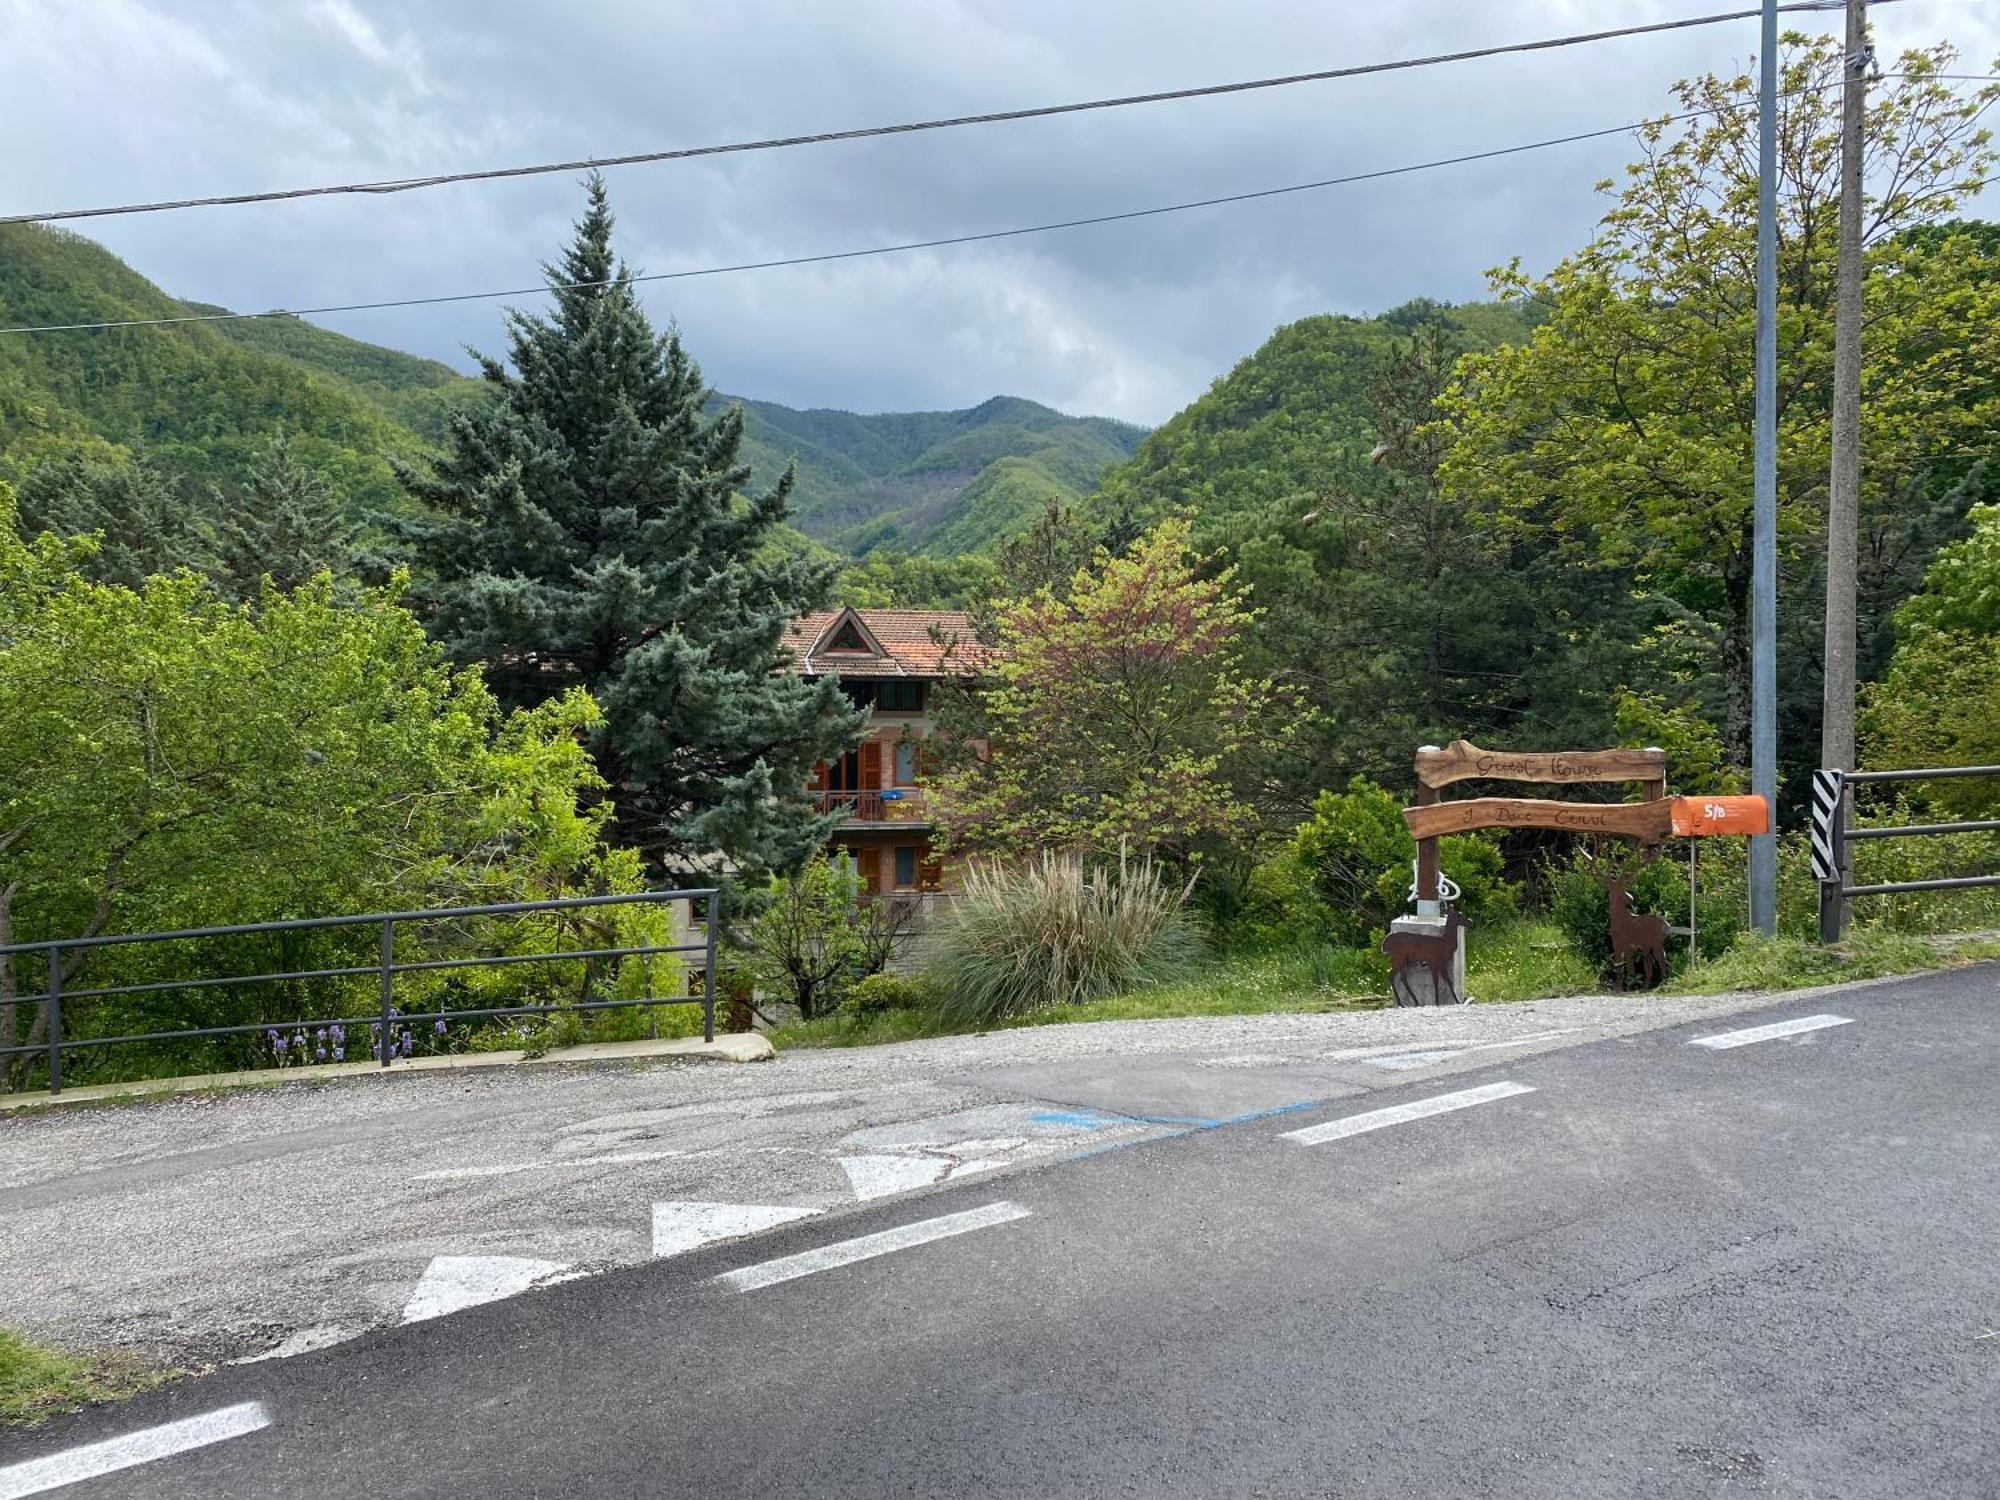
(590, 528)
(285, 524)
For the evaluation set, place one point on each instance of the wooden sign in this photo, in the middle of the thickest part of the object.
(1461, 761)
(1696, 817)
(1646, 821)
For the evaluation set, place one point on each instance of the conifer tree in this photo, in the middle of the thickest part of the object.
(286, 524)
(592, 528)
(143, 524)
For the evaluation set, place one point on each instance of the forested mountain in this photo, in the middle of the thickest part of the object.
(935, 482)
(1289, 429)
(201, 401)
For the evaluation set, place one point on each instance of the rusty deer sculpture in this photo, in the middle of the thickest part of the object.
(1638, 941)
(1434, 952)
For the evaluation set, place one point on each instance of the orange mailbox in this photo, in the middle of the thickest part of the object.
(1695, 816)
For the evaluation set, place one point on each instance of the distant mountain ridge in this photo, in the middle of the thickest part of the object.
(202, 399)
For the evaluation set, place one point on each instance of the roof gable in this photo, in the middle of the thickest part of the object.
(932, 643)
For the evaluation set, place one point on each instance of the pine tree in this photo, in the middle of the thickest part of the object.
(591, 528)
(143, 525)
(286, 524)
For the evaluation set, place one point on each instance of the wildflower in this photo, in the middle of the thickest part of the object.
(320, 1054)
(339, 1054)
(339, 1035)
(440, 1026)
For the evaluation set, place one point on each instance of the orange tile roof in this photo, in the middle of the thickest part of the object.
(915, 643)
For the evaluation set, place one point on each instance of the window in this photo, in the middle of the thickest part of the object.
(906, 865)
(848, 639)
(906, 763)
(902, 694)
(860, 694)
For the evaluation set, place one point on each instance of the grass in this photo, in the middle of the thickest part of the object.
(1521, 960)
(36, 1382)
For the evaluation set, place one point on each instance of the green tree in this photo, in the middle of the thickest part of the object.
(806, 942)
(175, 760)
(1122, 716)
(587, 529)
(143, 524)
(1626, 418)
(285, 524)
(1939, 702)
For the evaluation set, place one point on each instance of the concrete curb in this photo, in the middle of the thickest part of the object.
(743, 1047)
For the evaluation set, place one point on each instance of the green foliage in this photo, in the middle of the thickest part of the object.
(1580, 909)
(804, 945)
(199, 401)
(1357, 853)
(934, 483)
(1939, 702)
(587, 530)
(177, 761)
(284, 525)
(1122, 716)
(1048, 932)
(142, 523)
(1621, 431)
(876, 994)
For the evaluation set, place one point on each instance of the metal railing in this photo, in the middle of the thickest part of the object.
(903, 804)
(1832, 810)
(55, 994)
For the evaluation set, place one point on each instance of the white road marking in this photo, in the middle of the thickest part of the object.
(879, 1176)
(679, 1227)
(967, 1168)
(1398, 1114)
(1405, 1060)
(451, 1283)
(847, 1252)
(1726, 1039)
(92, 1460)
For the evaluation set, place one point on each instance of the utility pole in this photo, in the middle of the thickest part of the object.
(1843, 498)
(1764, 519)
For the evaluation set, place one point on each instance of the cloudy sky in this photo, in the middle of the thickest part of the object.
(115, 100)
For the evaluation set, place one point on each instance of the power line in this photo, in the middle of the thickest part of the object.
(941, 242)
(409, 184)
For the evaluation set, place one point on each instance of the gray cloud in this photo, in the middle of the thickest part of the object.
(128, 99)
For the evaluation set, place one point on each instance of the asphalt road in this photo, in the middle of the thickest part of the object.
(1643, 1267)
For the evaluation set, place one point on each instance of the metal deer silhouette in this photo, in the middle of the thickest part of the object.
(1638, 940)
(1434, 952)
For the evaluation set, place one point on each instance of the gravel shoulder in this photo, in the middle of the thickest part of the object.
(198, 1230)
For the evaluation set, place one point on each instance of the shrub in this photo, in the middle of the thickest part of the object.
(805, 945)
(1580, 908)
(1357, 852)
(1051, 933)
(1280, 906)
(880, 993)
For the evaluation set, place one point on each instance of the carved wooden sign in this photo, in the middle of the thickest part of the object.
(1646, 821)
(1463, 761)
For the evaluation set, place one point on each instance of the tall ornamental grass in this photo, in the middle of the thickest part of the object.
(1028, 936)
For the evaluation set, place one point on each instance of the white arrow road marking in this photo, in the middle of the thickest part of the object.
(967, 1168)
(451, 1283)
(1398, 1114)
(679, 1227)
(879, 1176)
(847, 1252)
(1722, 1041)
(92, 1460)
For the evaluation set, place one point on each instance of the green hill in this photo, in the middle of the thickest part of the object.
(201, 399)
(934, 482)
(1289, 423)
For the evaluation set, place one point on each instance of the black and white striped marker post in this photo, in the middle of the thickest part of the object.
(1829, 851)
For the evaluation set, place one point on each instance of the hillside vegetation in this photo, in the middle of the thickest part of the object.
(201, 401)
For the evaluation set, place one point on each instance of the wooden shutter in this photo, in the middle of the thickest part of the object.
(871, 765)
(930, 871)
(818, 783)
(870, 859)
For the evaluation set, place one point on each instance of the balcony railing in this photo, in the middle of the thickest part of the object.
(891, 805)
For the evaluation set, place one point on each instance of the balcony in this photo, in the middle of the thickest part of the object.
(903, 804)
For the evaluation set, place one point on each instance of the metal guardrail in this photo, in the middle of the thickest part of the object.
(54, 994)
(1832, 809)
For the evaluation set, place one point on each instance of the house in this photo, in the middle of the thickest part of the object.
(891, 661)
